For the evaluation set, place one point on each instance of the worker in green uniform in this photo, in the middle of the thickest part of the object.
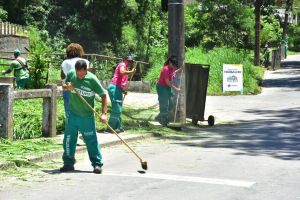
(21, 71)
(285, 47)
(81, 117)
(267, 52)
(165, 87)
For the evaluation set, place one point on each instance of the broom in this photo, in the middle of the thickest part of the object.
(143, 162)
(129, 83)
(176, 126)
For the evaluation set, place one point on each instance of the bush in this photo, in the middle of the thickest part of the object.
(215, 58)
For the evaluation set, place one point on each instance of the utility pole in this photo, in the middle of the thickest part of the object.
(289, 3)
(258, 4)
(177, 48)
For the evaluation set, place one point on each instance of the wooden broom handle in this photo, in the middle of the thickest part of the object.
(129, 82)
(108, 125)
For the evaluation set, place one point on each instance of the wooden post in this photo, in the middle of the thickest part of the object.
(8, 29)
(49, 112)
(15, 29)
(141, 72)
(47, 76)
(5, 23)
(94, 68)
(6, 111)
(177, 48)
(258, 5)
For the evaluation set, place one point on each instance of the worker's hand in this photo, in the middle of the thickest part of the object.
(133, 71)
(3, 72)
(70, 86)
(125, 92)
(178, 90)
(182, 67)
(103, 118)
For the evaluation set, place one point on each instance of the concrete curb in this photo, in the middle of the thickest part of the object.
(79, 149)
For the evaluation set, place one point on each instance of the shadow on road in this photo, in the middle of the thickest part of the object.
(56, 171)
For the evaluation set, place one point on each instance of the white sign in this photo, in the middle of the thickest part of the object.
(232, 77)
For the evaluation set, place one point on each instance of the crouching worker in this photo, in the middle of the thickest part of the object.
(80, 117)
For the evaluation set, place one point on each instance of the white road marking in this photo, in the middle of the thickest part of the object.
(183, 178)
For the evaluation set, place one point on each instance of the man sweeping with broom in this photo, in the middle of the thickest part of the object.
(81, 117)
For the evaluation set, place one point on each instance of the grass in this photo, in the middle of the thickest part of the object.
(2, 67)
(215, 58)
(20, 150)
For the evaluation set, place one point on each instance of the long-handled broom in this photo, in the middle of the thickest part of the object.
(129, 83)
(143, 162)
(176, 126)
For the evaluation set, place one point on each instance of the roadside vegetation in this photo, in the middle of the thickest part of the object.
(214, 35)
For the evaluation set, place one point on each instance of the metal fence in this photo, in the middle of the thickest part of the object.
(12, 29)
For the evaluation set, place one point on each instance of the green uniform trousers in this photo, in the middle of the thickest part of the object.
(87, 127)
(23, 83)
(267, 57)
(165, 98)
(116, 97)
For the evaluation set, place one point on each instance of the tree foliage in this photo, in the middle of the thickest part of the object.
(120, 27)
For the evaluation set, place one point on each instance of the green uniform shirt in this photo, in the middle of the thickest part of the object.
(20, 74)
(87, 88)
(267, 55)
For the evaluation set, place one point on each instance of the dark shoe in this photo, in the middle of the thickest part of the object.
(110, 131)
(157, 119)
(118, 130)
(66, 168)
(122, 130)
(97, 169)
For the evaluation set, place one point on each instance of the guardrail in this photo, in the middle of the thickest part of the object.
(7, 97)
(94, 56)
(12, 29)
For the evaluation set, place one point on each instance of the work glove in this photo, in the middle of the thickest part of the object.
(3, 72)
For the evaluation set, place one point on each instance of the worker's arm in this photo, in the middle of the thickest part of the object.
(6, 72)
(124, 72)
(62, 75)
(103, 118)
(171, 85)
(180, 69)
(68, 86)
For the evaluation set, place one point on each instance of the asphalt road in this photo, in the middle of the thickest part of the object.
(251, 153)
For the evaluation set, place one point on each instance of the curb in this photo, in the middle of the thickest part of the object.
(79, 149)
